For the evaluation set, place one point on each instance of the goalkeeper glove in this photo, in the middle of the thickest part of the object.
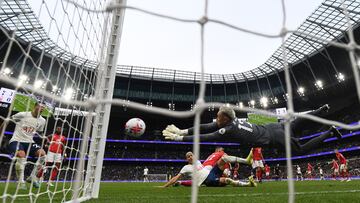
(173, 129)
(171, 136)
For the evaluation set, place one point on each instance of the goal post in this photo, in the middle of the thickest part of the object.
(104, 90)
(38, 64)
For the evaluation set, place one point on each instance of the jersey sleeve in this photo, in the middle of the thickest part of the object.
(205, 128)
(184, 170)
(217, 135)
(18, 116)
(42, 125)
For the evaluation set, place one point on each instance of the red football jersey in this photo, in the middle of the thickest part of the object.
(257, 155)
(213, 158)
(341, 158)
(267, 169)
(335, 165)
(57, 142)
(309, 167)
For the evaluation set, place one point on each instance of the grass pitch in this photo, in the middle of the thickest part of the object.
(306, 191)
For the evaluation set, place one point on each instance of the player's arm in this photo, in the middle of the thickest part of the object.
(172, 180)
(205, 137)
(18, 116)
(40, 130)
(48, 140)
(205, 128)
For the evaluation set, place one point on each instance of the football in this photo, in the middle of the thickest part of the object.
(135, 127)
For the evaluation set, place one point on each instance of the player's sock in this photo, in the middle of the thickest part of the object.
(20, 168)
(186, 183)
(54, 171)
(259, 174)
(38, 168)
(234, 159)
(236, 183)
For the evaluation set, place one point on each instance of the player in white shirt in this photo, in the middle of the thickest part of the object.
(205, 171)
(146, 173)
(27, 125)
(298, 173)
(321, 173)
(185, 170)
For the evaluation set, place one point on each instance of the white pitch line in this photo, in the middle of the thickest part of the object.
(281, 193)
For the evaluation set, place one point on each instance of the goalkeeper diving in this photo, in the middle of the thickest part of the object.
(228, 127)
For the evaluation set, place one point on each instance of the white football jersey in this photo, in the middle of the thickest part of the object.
(146, 171)
(188, 169)
(26, 127)
(298, 170)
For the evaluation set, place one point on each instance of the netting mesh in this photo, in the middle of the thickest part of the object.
(53, 66)
(73, 80)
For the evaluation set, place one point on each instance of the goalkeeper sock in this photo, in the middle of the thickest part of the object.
(234, 159)
(20, 168)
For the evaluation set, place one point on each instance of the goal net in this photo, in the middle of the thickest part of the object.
(59, 57)
(56, 60)
(157, 177)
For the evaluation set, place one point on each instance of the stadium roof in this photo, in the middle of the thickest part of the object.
(327, 23)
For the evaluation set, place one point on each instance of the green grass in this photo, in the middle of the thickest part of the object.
(261, 119)
(26, 103)
(307, 191)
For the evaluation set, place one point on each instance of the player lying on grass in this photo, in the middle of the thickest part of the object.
(210, 173)
(228, 127)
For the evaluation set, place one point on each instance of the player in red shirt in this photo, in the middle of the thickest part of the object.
(309, 171)
(343, 166)
(267, 171)
(56, 149)
(335, 167)
(258, 163)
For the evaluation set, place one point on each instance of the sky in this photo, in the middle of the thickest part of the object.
(161, 43)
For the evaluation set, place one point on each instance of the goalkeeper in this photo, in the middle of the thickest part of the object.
(228, 127)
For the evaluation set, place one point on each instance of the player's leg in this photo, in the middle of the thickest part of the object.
(186, 183)
(54, 161)
(234, 159)
(299, 124)
(18, 149)
(346, 175)
(238, 183)
(55, 171)
(213, 177)
(315, 142)
(37, 171)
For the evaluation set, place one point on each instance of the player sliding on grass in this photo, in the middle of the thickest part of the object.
(229, 128)
(211, 171)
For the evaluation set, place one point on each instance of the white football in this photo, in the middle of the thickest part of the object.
(135, 127)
